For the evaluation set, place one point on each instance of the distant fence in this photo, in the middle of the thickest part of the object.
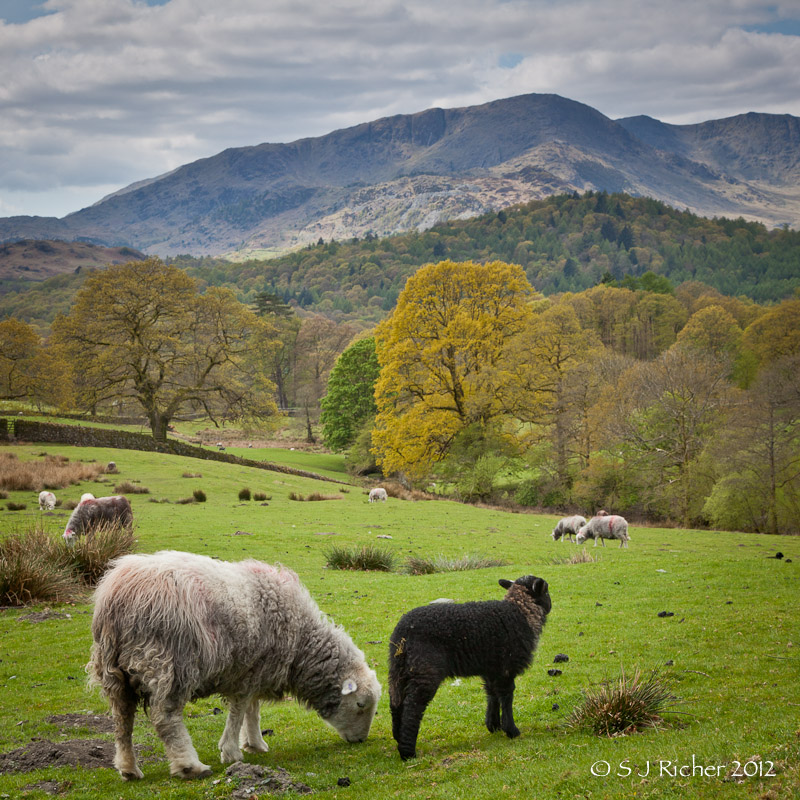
(78, 436)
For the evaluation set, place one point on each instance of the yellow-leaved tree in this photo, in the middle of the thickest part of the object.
(439, 352)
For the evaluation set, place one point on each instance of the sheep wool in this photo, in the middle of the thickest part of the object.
(494, 639)
(171, 627)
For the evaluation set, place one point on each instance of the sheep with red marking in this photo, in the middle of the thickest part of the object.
(378, 494)
(610, 526)
(172, 627)
(95, 512)
(47, 501)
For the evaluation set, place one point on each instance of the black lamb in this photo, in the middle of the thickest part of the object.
(494, 639)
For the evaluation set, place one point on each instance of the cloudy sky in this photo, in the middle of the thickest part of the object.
(97, 94)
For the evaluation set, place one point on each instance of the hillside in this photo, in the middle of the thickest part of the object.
(35, 260)
(411, 171)
(567, 242)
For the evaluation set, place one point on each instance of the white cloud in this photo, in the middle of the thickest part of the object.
(100, 93)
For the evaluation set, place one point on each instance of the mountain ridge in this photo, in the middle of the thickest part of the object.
(414, 170)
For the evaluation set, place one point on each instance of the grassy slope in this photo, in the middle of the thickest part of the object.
(733, 661)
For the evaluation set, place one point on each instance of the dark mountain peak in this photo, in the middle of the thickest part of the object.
(413, 170)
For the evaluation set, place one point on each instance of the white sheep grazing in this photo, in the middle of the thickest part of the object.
(567, 527)
(609, 526)
(171, 627)
(378, 493)
(47, 501)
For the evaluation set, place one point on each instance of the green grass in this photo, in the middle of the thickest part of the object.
(734, 644)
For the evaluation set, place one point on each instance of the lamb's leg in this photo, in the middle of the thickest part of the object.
(506, 695)
(229, 750)
(250, 737)
(492, 707)
(413, 707)
(123, 709)
(167, 719)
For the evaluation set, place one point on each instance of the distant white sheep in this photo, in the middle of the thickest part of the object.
(568, 527)
(172, 627)
(609, 526)
(378, 493)
(86, 496)
(47, 501)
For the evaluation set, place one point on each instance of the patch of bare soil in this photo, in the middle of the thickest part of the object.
(49, 787)
(41, 753)
(255, 779)
(42, 616)
(102, 723)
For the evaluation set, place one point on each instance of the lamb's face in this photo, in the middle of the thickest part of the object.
(556, 534)
(358, 704)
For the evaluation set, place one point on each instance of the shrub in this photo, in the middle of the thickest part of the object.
(16, 506)
(416, 565)
(367, 557)
(126, 487)
(477, 482)
(30, 571)
(199, 496)
(627, 705)
(244, 494)
(89, 556)
(528, 494)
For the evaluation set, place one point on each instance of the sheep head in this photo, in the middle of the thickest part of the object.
(535, 587)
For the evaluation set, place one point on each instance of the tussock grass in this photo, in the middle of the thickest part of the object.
(51, 473)
(31, 571)
(36, 567)
(199, 496)
(416, 565)
(261, 497)
(192, 475)
(245, 494)
(578, 557)
(626, 705)
(88, 558)
(16, 506)
(368, 558)
(126, 487)
(313, 497)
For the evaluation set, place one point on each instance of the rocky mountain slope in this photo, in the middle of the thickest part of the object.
(411, 171)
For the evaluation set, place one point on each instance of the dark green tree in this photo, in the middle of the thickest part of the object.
(350, 401)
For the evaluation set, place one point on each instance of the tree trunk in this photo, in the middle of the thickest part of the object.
(158, 425)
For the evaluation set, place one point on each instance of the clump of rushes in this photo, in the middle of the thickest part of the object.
(30, 571)
(16, 506)
(367, 558)
(126, 487)
(314, 496)
(245, 494)
(579, 557)
(260, 497)
(199, 496)
(627, 705)
(417, 565)
(89, 556)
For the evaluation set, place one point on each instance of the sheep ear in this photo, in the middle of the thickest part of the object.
(539, 586)
(349, 686)
(505, 584)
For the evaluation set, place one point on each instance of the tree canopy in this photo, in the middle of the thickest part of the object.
(141, 332)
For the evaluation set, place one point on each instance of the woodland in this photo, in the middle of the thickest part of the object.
(528, 357)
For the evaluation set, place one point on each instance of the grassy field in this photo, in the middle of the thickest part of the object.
(730, 648)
